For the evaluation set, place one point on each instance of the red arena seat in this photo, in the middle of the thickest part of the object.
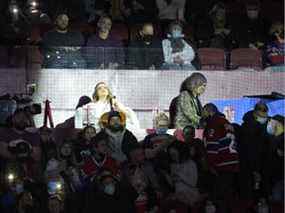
(212, 58)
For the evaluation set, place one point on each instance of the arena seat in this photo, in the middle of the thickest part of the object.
(246, 58)
(212, 58)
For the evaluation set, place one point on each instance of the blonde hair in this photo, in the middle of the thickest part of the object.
(95, 93)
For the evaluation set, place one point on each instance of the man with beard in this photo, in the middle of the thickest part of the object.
(104, 50)
(146, 51)
(61, 47)
(119, 138)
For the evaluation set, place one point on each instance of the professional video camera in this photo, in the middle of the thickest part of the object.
(9, 104)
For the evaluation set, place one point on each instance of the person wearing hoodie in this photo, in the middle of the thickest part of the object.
(252, 149)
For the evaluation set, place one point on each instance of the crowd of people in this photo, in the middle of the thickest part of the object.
(102, 167)
(161, 34)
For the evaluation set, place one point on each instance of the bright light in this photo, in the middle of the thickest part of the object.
(34, 3)
(58, 186)
(11, 177)
(15, 10)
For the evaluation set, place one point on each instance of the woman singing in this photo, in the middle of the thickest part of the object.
(104, 101)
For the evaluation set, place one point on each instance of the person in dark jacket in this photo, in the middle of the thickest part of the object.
(145, 52)
(250, 31)
(119, 138)
(275, 162)
(253, 149)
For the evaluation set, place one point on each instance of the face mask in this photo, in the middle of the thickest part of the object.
(176, 33)
(261, 120)
(161, 131)
(116, 127)
(270, 129)
(147, 38)
(110, 189)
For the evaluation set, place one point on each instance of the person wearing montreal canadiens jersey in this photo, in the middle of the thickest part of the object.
(103, 102)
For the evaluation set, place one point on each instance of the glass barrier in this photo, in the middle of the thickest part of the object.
(129, 58)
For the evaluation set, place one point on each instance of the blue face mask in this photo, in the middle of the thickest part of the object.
(176, 33)
(270, 129)
(161, 131)
(261, 120)
(110, 189)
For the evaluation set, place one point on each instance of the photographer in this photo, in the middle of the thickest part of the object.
(21, 120)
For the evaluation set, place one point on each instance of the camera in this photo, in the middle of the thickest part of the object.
(21, 148)
(9, 104)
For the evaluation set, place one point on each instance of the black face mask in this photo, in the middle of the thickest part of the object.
(147, 38)
(116, 128)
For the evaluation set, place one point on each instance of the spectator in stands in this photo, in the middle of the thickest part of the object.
(275, 164)
(61, 47)
(119, 138)
(109, 195)
(183, 175)
(178, 54)
(103, 102)
(142, 177)
(83, 144)
(169, 11)
(99, 159)
(138, 11)
(253, 147)
(104, 50)
(275, 50)
(137, 159)
(51, 164)
(160, 139)
(222, 157)
(146, 51)
(222, 31)
(189, 107)
(251, 30)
